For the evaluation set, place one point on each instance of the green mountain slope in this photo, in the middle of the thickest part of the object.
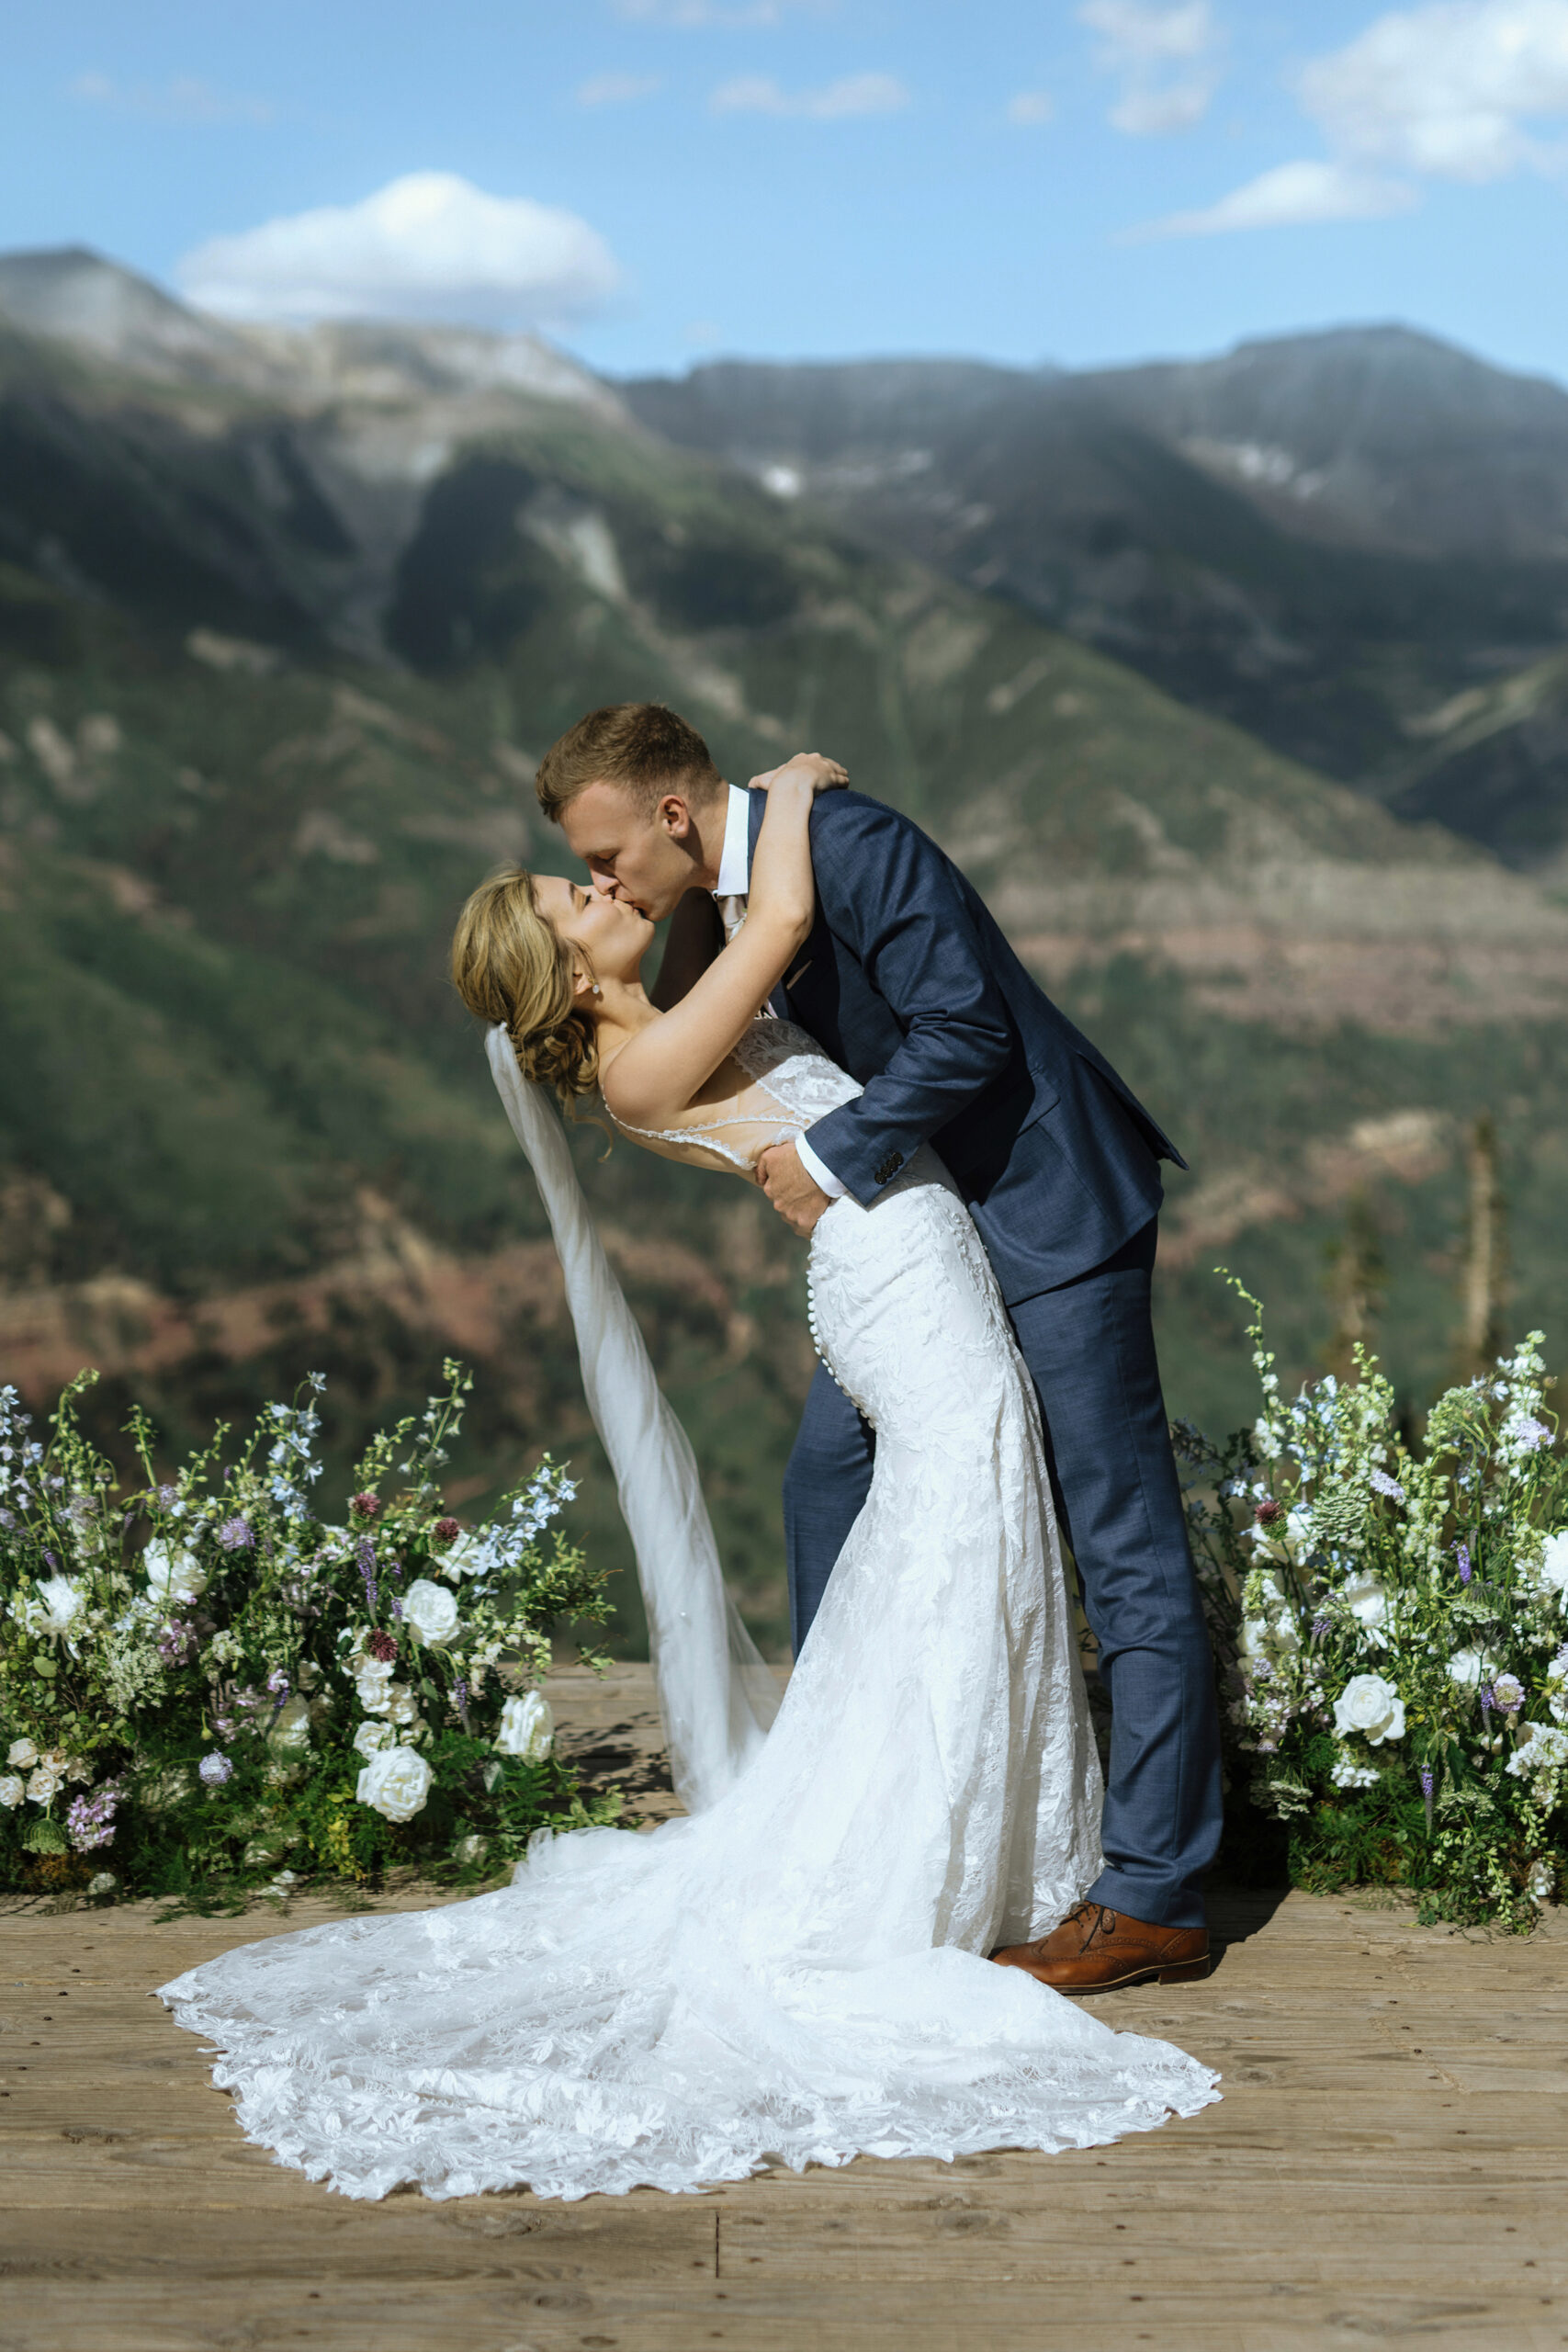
(244, 1127)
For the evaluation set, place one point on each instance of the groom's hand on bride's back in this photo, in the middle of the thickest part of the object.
(798, 1200)
(827, 775)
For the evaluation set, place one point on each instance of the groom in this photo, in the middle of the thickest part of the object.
(907, 983)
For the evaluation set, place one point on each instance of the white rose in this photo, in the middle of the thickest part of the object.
(402, 1705)
(1542, 1747)
(467, 1557)
(372, 1736)
(431, 1610)
(43, 1781)
(1466, 1669)
(173, 1574)
(527, 1728)
(1367, 1601)
(472, 1848)
(372, 1677)
(1372, 1707)
(22, 1752)
(12, 1791)
(60, 1602)
(290, 1735)
(396, 1782)
(1552, 1573)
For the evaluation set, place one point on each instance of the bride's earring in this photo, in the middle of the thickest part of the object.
(597, 990)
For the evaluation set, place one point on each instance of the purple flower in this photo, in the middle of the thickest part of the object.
(177, 1642)
(235, 1535)
(215, 1770)
(277, 1683)
(167, 1498)
(1527, 1430)
(1428, 1782)
(1488, 1700)
(1507, 1693)
(1461, 1554)
(1382, 1484)
(1320, 1626)
(383, 1647)
(89, 1821)
(460, 1701)
(1268, 1511)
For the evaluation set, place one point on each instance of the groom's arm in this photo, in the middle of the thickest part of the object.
(892, 897)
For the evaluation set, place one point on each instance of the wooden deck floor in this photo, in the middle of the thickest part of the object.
(1389, 2163)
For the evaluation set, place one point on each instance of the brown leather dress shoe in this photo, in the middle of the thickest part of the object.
(1095, 1950)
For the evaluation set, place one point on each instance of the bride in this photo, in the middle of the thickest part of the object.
(796, 1971)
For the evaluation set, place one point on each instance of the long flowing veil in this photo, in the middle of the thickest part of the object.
(716, 1692)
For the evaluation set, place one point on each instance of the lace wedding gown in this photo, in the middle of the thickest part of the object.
(796, 1973)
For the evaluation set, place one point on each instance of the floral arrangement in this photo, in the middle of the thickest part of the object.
(1391, 1628)
(204, 1687)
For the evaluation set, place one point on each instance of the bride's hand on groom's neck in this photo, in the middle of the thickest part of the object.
(823, 774)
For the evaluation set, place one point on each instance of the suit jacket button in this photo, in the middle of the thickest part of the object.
(888, 1168)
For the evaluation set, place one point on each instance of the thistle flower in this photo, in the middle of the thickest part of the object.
(1268, 1511)
(446, 1530)
(367, 1505)
(383, 1647)
(215, 1768)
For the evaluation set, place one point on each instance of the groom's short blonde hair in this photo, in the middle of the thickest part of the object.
(644, 748)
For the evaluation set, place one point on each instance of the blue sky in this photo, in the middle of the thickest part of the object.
(654, 182)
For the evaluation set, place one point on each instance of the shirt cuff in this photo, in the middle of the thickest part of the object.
(823, 1178)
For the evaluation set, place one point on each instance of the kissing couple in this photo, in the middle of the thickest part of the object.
(803, 1968)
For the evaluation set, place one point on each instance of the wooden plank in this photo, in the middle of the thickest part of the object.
(1391, 2159)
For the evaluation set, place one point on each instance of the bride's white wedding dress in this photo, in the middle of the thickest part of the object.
(796, 1973)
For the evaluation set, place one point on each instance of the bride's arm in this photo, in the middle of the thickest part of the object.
(653, 1078)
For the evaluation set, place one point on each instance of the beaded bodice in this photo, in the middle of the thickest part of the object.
(784, 1082)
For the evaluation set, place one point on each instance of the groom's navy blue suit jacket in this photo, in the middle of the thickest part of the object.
(908, 984)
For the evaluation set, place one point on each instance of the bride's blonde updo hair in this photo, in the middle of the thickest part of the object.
(511, 965)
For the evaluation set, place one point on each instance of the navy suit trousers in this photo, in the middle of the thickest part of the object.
(1090, 1349)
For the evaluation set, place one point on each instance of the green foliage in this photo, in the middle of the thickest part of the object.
(242, 1693)
(1388, 1624)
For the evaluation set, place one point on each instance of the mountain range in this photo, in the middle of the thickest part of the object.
(286, 619)
(1352, 544)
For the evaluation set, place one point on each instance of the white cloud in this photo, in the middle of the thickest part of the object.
(1446, 90)
(1166, 60)
(429, 246)
(1293, 194)
(1031, 107)
(1451, 91)
(854, 93)
(186, 99)
(617, 89)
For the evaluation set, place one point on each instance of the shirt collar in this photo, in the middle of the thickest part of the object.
(735, 857)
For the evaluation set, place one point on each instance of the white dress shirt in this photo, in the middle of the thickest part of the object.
(730, 893)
